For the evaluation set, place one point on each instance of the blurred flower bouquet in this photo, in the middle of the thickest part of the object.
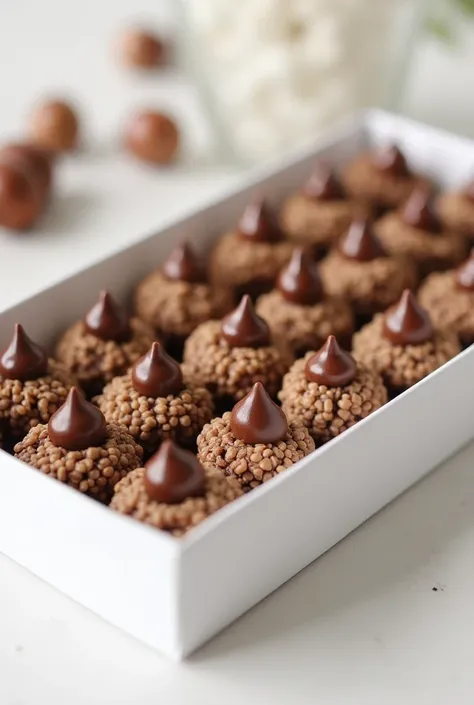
(442, 18)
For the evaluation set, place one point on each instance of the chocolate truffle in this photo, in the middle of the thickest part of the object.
(54, 126)
(78, 448)
(176, 298)
(141, 49)
(229, 356)
(456, 210)
(21, 198)
(33, 160)
(449, 299)
(253, 442)
(361, 271)
(153, 402)
(403, 345)
(328, 391)
(416, 232)
(173, 492)
(249, 258)
(32, 386)
(380, 178)
(103, 345)
(300, 311)
(152, 137)
(320, 213)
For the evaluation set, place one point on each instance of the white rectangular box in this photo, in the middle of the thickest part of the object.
(174, 594)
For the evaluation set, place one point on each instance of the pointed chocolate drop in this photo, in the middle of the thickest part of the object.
(331, 365)
(156, 374)
(418, 212)
(469, 191)
(361, 243)
(323, 185)
(183, 265)
(23, 359)
(390, 160)
(77, 424)
(243, 328)
(107, 320)
(464, 275)
(173, 474)
(259, 224)
(407, 323)
(299, 282)
(257, 419)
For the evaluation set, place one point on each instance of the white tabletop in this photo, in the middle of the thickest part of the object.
(385, 617)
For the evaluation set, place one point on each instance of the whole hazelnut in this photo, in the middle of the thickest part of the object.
(32, 159)
(152, 137)
(21, 202)
(54, 126)
(141, 49)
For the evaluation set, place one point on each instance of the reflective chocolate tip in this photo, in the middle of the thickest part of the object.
(331, 366)
(299, 282)
(407, 323)
(173, 474)
(323, 184)
(257, 419)
(183, 265)
(390, 160)
(77, 424)
(107, 320)
(361, 243)
(243, 328)
(23, 359)
(464, 275)
(418, 212)
(259, 224)
(156, 374)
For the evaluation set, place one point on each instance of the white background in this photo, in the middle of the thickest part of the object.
(387, 616)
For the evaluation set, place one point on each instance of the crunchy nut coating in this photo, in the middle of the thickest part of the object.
(449, 306)
(457, 213)
(312, 222)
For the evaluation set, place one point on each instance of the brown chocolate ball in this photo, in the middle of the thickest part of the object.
(36, 161)
(54, 126)
(141, 49)
(21, 201)
(152, 137)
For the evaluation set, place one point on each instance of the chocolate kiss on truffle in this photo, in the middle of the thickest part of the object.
(323, 185)
(257, 419)
(173, 474)
(107, 320)
(243, 328)
(156, 374)
(77, 424)
(258, 224)
(23, 359)
(361, 243)
(299, 282)
(183, 265)
(331, 365)
(407, 323)
(389, 159)
(418, 212)
(464, 275)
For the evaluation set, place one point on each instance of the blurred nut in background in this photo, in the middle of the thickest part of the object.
(54, 126)
(152, 137)
(21, 201)
(32, 159)
(141, 49)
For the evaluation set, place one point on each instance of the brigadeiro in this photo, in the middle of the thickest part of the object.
(249, 258)
(403, 345)
(328, 391)
(320, 212)
(229, 356)
(173, 492)
(176, 298)
(35, 161)
(54, 126)
(380, 177)
(456, 210)
(153, 402)
(449, 299)
(104, 344)
(300, 311)
(79, 448)
(152, 137)
(361, 271)
(32, 385)
(141, 49)
(253, 442)
(22, 198)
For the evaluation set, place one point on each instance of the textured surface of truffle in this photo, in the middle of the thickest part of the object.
(430, 252)
(402, 366)
(306, 327)
(314, 222)
(178, 307)
(179, 417)
(231, 371)
(96, 362)
(131, 498)
(251, 465)
(236, 262)
(368, 286)
(328, 411)
(456, 212)
(449, 306)
(26, 404)
(94, 471)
